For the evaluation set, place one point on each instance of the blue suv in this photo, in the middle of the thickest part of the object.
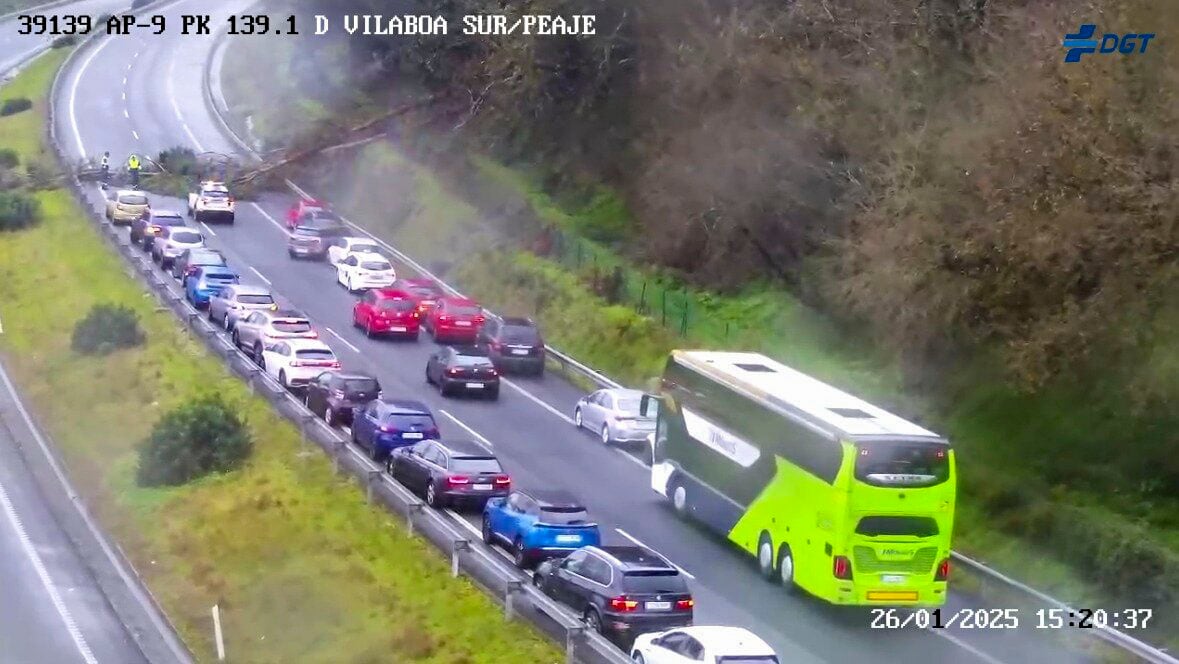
(538, 524)
(206, 281)
(386, 424)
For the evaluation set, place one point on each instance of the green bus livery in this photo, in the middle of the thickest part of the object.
(830, 493)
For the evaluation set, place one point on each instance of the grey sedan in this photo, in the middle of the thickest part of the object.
(238, 301)
(613, 414)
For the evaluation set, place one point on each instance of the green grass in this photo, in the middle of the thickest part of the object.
(304, 569)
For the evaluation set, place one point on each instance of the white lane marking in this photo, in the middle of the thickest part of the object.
(124, 92)
(136, 54)
(74, 96)
(538, 401)
(135, 134)
(126, 114)
(50, 589)
(260, 275)
(176, 107)
(965, 646)
(346, 342)
(468, 429)
(270, 218)
(128, 69)
(636, 541)
(207, 229)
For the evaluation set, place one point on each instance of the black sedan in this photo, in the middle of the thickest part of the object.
(465, 369)
(450, 472)
(333, 394)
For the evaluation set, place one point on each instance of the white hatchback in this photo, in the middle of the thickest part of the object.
(701, 643)
(295, 362)
(340, 247)
(368, 270)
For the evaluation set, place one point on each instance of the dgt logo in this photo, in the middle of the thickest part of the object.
(1082, 42)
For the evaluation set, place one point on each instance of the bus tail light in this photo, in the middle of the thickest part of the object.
(943, 570)
(841, 568)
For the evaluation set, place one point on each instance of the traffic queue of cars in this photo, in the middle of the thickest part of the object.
(632, 595)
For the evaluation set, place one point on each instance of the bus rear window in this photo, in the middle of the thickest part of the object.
(911, 464)
(910, 526)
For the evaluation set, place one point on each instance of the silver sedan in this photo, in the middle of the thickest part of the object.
(613, 414)
(238, 301)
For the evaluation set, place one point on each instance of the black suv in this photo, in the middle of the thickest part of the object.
(463, 368)
(453, 472)
(620, 591)
(513, 344)
(333, 394)
(311, 237)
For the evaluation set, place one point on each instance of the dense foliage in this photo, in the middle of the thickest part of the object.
(197, 438)
(107, 328)
(14, 106)
(18, 210)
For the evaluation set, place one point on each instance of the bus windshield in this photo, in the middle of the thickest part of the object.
(902, 463)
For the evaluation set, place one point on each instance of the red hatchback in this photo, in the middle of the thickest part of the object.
(426, 291)
(455, 319)
(302, 208)
(387, 311)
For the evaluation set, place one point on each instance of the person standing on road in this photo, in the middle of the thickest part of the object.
(133, 168)
(106, 167)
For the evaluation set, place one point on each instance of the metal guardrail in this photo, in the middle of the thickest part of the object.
(1108, 634)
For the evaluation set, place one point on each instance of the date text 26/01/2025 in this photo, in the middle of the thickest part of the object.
(1010, 618)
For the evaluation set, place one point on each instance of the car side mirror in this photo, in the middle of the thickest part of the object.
(649, 405)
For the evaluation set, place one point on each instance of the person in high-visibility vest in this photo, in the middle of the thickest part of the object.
(106, 167)
(133, 167)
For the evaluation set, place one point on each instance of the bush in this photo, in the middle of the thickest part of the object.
(178, 161)
(201, 437)
(108, 327)
(9, 158)
(16, 105)
(64, 41)
(42, 175)
(18, 210)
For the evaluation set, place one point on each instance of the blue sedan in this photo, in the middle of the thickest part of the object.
(205, 281)
(538, 524)
(384, 425)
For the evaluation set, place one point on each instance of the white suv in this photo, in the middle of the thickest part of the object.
(368, 270)
(210, 202)
(295, 362)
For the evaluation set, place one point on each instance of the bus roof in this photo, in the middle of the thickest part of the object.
(797, 395)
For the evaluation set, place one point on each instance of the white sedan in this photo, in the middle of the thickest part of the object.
(295, 362)
(735, 645)
(369, 270)
(210, 202)
(340, 247)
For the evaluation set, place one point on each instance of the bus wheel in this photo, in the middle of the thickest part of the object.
(679, 499)
(765, 557)
(786, 568)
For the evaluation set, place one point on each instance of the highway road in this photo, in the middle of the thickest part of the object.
(143, 93)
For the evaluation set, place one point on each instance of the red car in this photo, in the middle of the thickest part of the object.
(302, 208)
(387, 311)
(455, 319)
(425, 291)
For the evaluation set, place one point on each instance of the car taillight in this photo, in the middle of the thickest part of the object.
(335, 364)
(444, 318)
(313, 334)
(338, 394)
(298, 363)
(943, 570)
(417, 313)
(623, 603)
(452, 371)
(841, 568)
(389, 428)
(479, 319)
(684, 604)
(493, 372)
(503, 480)
(458, 480)
(231, 200)
(155, 229)
(191, 269)
(496, 345)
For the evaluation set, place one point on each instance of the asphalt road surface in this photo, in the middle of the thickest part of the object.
(142, 93)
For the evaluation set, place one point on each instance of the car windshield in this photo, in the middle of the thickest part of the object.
(206, 258)
(220, 276)
(376, 266)
(361, 385)
(563, 515)
(654, 581)
(365, 248)
(475, 465)
(519, 334)
(428, 292)
(628, 405)
(404, 421)
(291, 326)
(168, 220)
(133, 199)
(186, 237)
(314, 354)
(471, 361)
(215, 194)
(247, 298)
(394, 305)
(462, 310)
(307, 230)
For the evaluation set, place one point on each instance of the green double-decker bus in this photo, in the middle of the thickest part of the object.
(830, 493)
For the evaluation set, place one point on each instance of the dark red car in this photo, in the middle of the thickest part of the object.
(426, 291)
(455, 319)
(302, 208)
(387, 311)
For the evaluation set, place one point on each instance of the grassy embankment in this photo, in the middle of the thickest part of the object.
(304, 569)
(1004, 500)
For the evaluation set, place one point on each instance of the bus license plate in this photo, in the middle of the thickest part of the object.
(658, 606)
(475, 386)
(483, 487)
(894, 578)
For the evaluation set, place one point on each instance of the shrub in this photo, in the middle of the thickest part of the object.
(42, 176)
(18, 210)
(178, 161)
(15, 105)
(108, 327)
(63, 41)
(200, 437)
(9, 158)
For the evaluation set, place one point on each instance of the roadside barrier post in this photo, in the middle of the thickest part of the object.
(571, 636)
(305, 422)
(217, 633)
(411, 509)
(374, 477)
(513, 588)
(457, 547)
(337, 453)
